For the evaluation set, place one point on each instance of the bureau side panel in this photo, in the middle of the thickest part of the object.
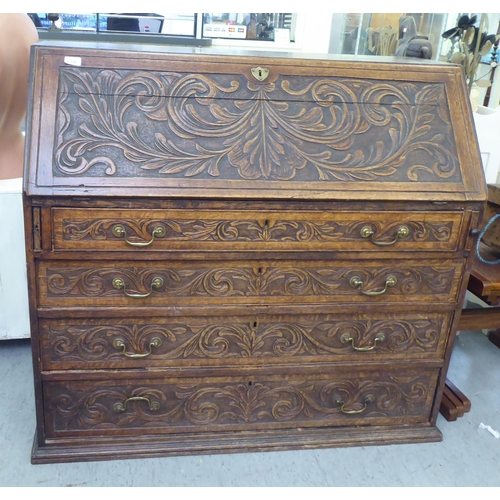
(32, 226)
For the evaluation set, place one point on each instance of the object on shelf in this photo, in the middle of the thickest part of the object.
(410, 43)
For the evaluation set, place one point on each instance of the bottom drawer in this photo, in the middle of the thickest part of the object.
(174, 405)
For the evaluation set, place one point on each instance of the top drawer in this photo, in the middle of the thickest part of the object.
(221, 230)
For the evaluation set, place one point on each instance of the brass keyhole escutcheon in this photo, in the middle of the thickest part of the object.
(260, 73)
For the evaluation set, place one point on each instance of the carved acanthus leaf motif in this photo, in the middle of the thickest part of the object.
(250, 230)
(248, 281)
(389, 396)
(179, 341)
(86, 410)
(208, 126)
(213, 341)
(236, 403)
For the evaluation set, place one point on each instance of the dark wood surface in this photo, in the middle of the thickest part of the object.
(230, 135)
(193, 342)
(219, 264)
(460, 396)
(484, 281)
(210, 443)
(494, 337)
(139, 405)
(492, 237)
(454, 403)
(479, 319)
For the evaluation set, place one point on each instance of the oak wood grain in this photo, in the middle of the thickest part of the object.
(71, 344)
(197, 405)
(120, 230)
(220, 262)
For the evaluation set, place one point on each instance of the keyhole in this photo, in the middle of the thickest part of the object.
(260, 72)
(250, 383)
(255, 324)
(266, 223)
(260, 270)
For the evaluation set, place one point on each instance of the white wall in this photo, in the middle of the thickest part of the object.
(14, 311)
(313, 32)
(336, 33)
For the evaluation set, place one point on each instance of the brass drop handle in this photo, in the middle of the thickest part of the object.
(367, 232)
(119, 231)
(368, 399)
(119, 344)
(119, 284)
(121, 407)
(346, 338)
(356, 282)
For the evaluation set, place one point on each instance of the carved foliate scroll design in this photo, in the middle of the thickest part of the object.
(164, 124)
(191, 405)
(247, 281)
(83, 342)
(251, 230)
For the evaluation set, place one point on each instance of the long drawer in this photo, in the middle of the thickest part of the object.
(142, 283)
(142, 406)
(219, 230)
(193, 342)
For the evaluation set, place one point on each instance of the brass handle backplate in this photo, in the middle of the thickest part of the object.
(119, 344)
(356, 282)
(121, 407)
(368, 399)
(367, 232)
(119, 284)
(119, 231)
(346, 338)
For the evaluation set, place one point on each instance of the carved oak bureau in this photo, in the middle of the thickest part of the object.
(243, 252)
